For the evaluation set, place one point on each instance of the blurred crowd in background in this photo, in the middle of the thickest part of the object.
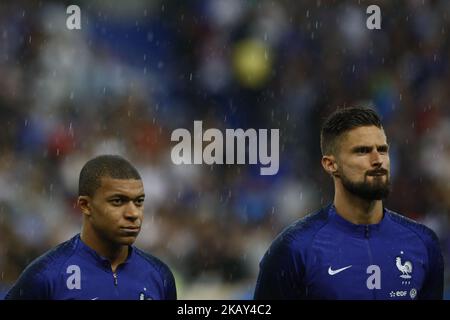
(138, 69)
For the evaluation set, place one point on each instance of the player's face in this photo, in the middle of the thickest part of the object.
(363, 162)
(117, 210)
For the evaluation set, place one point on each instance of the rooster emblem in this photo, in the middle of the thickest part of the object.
(405, 268)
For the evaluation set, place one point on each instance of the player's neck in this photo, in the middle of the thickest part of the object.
(357, 210)
(116, 254)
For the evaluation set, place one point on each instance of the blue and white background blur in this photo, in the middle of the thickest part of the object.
(137, 70)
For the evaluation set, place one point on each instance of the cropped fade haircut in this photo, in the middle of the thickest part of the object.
(111, 166)
(343, 120)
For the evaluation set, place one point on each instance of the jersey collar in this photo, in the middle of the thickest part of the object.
(90, 253)
(360, 230)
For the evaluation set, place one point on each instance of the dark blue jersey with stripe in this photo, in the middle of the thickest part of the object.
(324, 256)
(73, 270)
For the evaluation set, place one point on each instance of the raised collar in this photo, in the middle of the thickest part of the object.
(90, 253)
(359, 230)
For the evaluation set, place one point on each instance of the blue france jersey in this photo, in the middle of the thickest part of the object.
(73, 270)
(323, 256)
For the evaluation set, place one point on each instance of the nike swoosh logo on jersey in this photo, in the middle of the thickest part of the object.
(332, 272)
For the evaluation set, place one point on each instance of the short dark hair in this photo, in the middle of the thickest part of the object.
(112, 166)
(343, 120)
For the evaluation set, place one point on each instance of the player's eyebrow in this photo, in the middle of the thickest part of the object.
(368, 148)
(125, 197)
(383, 147)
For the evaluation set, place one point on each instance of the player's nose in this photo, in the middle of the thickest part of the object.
(132, 211)
(376, 159)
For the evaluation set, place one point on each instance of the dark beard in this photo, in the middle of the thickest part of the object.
(377, 190)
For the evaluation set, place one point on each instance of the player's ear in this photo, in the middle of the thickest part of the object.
(84, 204)
(330, 165)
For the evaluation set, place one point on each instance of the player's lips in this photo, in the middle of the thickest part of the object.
(131, 229)
(377, 173)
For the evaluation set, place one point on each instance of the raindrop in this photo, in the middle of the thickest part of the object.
(71, 130)
(307, 13)
(190, 76)
(71, 95)
(400, 97)
(353, 68)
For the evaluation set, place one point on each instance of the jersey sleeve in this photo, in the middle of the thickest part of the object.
(433, 288)
(29, 286)
(281, 273)
(170, 290)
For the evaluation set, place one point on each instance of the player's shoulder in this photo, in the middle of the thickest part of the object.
(420, 230)
(303, 230)
(152, 261)
(47, 263)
